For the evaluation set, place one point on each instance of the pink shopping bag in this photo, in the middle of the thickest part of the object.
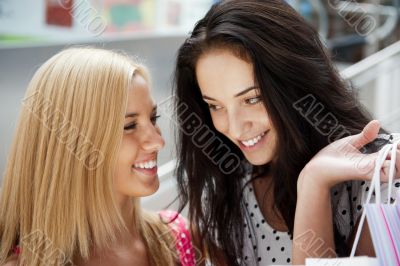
(383, 220)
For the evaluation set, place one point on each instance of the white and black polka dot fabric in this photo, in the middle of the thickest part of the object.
(265, 246)
(348, 199)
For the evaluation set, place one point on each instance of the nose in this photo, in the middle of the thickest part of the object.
(239, 124)
(152, 141)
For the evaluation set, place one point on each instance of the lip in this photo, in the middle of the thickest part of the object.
(148, 172)
(256, 146)
(152, 158)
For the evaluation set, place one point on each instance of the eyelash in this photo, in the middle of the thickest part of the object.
(133, 125)
(130, 126)
(257, 98)
(154, 119)
(214, 107)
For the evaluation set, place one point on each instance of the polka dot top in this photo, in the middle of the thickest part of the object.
(264, 245)
(179, 228)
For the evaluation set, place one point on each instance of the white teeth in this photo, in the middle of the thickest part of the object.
(252, 142)
(146, 165)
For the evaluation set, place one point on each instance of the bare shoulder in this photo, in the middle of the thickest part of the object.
(12, 261)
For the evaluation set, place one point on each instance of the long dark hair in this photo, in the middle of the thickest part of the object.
(290, 64)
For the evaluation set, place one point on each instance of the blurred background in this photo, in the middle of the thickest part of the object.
(362, 36)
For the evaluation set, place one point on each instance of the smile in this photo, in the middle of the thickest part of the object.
(148, 168)
(146, 165)
(253, 141)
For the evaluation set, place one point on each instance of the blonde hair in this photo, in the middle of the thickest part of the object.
(57, 198)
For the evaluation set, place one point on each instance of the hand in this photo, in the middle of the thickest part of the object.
(342, 161)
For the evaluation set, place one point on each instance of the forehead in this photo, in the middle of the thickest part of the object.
(139, 97)
(223, 71)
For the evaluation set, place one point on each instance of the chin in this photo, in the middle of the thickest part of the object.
(150, 189)
(258, 161)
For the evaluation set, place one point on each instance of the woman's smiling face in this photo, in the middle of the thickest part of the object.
(136, 172)
(228, 87)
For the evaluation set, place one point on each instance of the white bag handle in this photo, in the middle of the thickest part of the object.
(392, 168)
(376, 185)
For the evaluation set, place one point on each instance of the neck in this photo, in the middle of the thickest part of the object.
(127, 207)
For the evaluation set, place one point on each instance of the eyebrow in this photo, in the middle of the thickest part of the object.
(205, 97)
(133, 115)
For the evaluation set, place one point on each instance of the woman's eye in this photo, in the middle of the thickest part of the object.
(253, 100)
(130, 126)
(213, 107)
(155, 118)
(133, 125)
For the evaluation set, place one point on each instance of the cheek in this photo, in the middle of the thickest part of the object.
(127, 154)
(129, 146)
(260, 111)
(220, 123)
(260, 114)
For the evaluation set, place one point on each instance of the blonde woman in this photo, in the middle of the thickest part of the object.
(84, 152)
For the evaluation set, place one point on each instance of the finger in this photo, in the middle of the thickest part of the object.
(397, 163)
(365, 165)
(385, 171)
(369, 133)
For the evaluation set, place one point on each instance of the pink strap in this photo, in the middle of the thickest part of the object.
(17, 250)
(389, 233)
(184, 244)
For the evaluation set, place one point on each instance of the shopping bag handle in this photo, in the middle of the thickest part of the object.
(376, 185)
(392, 169)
